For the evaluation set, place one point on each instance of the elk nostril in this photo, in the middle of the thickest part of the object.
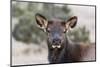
(56, 41)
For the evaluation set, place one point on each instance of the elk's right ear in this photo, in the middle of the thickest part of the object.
(41, 21)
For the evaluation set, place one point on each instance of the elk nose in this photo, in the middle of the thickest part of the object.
(56, 41)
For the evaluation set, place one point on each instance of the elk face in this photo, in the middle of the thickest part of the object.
(55, 29)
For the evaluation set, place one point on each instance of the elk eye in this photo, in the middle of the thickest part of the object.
(48, 29)
(64, 31)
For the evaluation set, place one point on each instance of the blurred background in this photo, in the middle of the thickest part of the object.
(29, 42)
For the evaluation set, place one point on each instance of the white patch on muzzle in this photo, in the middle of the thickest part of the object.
(56, 46)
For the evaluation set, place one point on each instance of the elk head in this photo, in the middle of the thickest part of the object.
(55, 29)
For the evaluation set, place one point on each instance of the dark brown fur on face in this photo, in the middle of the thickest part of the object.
(60, 50)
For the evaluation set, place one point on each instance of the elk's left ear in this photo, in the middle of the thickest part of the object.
(71, 22)
(41, 21)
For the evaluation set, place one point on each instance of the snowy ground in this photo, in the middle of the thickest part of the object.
(28, 53)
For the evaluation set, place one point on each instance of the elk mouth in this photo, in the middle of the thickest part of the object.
(56, 46)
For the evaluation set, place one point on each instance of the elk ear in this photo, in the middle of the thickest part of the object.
(41, 21)
(71, 22)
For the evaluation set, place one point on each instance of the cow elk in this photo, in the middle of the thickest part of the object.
(60, 50)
